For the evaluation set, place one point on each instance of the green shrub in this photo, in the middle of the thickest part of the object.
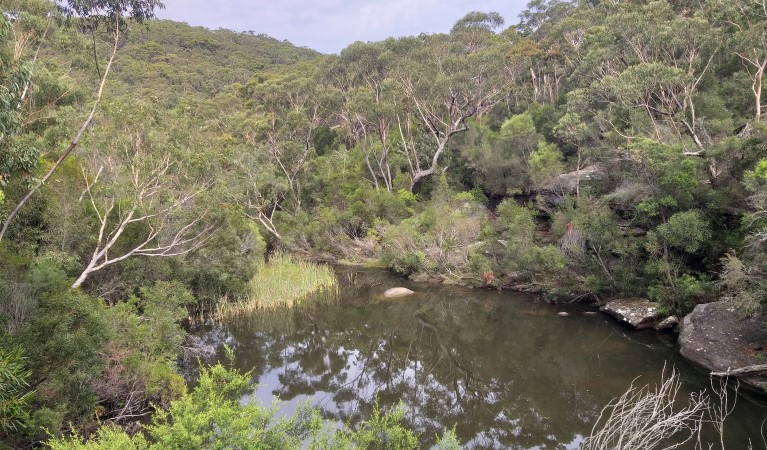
(213, 416)
(15, 394)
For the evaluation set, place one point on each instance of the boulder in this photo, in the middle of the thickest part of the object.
(667, 324)
(552, 193)
(720, 339)
(639, 313)
(398, 292)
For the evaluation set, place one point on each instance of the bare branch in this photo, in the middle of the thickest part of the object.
(77, 138)
(164, 236)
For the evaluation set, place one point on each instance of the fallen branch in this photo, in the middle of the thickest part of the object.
(741, 370)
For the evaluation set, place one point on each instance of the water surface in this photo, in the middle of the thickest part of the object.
(503, 368)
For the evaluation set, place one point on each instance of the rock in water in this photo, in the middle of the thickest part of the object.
(637, 312)
(397, 292)
(717, 337)
(666, 324)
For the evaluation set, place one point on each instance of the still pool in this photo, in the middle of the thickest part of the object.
(505, 369)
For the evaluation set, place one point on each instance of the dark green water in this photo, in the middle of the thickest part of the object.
(503, 368)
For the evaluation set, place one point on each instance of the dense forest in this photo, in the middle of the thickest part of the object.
(148, 168)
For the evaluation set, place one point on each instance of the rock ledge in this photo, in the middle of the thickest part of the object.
(639, 313)
(716, 337)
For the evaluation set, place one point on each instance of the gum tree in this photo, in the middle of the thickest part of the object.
(91, 16)
(447, 80)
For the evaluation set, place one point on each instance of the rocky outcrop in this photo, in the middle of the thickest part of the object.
(552, 193)
(718, 338)
(639, 313)
(398, 292)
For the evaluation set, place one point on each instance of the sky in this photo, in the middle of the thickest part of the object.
(330, 25)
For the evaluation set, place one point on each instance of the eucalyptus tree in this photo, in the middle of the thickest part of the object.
(142, 192)
(542, 21)
(369, 111)
(446, 80)
(745, 23)
(371, 118)
(286, 112)
(92, 15)
(24, 27)
(652, 60)
(14, 77)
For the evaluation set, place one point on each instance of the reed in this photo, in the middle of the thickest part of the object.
(282, 283)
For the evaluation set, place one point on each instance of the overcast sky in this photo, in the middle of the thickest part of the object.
(330, 25)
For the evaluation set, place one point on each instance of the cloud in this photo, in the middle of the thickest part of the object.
(330, 25)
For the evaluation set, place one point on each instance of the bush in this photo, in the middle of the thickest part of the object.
(522, 257)
(214, 417)
(15, 395)
(440, 239)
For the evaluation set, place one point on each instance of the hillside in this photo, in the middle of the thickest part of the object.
(173, 58)
(588, 152)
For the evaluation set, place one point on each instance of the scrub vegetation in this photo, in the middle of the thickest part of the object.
(151, 171)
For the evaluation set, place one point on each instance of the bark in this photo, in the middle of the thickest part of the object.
(757, 79)
(163, 237)
(74, 142)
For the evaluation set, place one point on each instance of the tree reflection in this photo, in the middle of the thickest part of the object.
(506, 371)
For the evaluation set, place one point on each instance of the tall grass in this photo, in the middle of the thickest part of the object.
(282, 283)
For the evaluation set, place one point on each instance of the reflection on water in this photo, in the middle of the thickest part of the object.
(502, 368)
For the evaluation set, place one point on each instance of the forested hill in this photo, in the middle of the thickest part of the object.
(170, 58)
(147, 168)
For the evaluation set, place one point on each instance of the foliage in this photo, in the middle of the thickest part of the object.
(213, 416)
(384, 431)
(439, 240)
(458, 157)
(15, 158)
(15, 396)
(525, 260)
(68, 332)
(545, 163)
(285, 282)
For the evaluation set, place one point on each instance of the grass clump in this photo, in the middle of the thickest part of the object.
(285, 282)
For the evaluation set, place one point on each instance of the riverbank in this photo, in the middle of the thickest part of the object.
(714, 336)
(502, 365)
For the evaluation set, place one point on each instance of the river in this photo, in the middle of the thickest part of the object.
(505, 369)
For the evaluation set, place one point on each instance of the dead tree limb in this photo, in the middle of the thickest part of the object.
(741, 371)
(75, 141)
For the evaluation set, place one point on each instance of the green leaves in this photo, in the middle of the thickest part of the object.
(138, 10)
(688, 231)
(671, 173)
(15, 77)
(545, 163)
(15, 395)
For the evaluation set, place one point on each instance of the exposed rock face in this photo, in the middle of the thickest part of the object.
(551, 194)
(716, 337)
(636, 312)
(397, 292)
